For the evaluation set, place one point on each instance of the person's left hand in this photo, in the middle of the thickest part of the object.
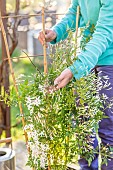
(64, 78)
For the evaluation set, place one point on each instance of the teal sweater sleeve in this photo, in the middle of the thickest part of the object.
(67, 22)
(101, 40)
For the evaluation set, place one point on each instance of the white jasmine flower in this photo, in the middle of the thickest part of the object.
(64, 61)
(41, 88)
(106, 83)
(106, 77)
(31, 102)
(104, 96)
(29, 127)
(37, 101)
(43, 157)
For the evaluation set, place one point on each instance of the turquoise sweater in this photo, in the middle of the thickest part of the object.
(99, 50)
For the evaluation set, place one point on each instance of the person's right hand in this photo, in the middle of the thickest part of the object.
(63, 79)
(49, 36)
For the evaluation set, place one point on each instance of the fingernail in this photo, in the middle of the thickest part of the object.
(55, 83)
(57, 87)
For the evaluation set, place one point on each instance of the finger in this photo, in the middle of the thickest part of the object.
(47, 31)
(40, 35)
(41, 38)
(41, 41)
(63, 83)
(47, 34)
(46, 45)
(58, 80)
(50, 36)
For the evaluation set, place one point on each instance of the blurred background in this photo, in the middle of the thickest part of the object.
(28, 28)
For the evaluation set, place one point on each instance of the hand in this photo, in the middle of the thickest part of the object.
(50, 35)
(64, 78)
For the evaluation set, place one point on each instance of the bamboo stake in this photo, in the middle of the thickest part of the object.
(77, 21)
(45, 60)
(44, 46)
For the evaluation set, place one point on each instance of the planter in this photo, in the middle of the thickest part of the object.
(7, 159)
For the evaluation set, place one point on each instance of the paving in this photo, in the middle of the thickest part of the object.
(21, 155)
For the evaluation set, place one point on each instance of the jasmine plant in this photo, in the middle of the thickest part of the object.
(61, 124)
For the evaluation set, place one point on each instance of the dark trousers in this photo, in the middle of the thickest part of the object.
(106, 125)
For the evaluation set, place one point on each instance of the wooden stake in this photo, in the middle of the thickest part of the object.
(6, 140)
(45, 59)
(44, 46)
(4, 76)
(77, 22)
(13, 76)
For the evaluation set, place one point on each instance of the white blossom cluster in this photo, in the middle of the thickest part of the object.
(31, 102)
(38, 149)
(103, 83)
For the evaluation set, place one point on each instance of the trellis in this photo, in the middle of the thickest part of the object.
(44, 55)
(4, 18)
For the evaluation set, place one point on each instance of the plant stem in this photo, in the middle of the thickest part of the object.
(44, 46)
(49, 163)
(99, 146)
